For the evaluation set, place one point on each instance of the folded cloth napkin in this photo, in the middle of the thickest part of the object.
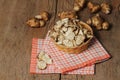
(41, 44)
(67, 62)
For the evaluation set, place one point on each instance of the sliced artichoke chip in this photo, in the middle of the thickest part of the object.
(80, 39)
(41, 65)
(40, 55)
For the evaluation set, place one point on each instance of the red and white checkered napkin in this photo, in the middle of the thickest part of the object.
(40, 44)
(68, 62)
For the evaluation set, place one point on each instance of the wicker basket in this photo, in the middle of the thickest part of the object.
(78, 49)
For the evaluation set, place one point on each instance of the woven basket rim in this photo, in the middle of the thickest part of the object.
(87, 42)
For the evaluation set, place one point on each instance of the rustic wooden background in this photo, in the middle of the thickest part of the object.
(16, 37)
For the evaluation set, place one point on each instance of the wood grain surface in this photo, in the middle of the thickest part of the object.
(16, 37)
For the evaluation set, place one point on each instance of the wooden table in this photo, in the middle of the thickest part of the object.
(16, 37)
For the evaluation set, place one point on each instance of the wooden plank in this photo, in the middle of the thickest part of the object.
(68, 77)
(16, 37)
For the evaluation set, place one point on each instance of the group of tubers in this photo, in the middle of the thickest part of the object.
(38, 20)
(104, 7)
(67, 14)
(97, 21)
